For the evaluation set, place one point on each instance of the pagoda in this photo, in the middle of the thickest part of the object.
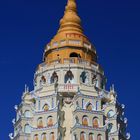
(69, 100)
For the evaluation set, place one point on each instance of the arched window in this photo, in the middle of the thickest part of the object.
(27, 114)
(44, 137)
(82, 136)
(84, 77)
(95, 122)
(52, 137)
(36, 137)
(40, 123)
(75, 55)
(54, 78)
(27, 129)
(43, 80)
(99, 137)
(69, 77)
(91, 136)
(46, 107)
(50, 121)
(85, 120)
(89, 107)
(110, 113)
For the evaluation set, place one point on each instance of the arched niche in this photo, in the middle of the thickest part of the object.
(54, 78)
(36, 137)
(52, 136)
(74, 54)
(43, 79)
(27, 114)
(91, 136)
(44, 136)
(50, 121)
(95, 122)
(84, 77)
(82, 136)
(99, 137)
(85, 120)
(27, 129)
(40, 122)
(69, 77)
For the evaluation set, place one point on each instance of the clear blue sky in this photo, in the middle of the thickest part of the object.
(27, 25)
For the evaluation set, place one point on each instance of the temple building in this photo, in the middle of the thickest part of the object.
(69, 100)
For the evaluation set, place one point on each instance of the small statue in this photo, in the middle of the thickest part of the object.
(58, 103)
(77, 120)
(78, 90)
(43, 80)
(94, 79)
(83, 77)
(109, 127)
(77, 105)
(118, 126)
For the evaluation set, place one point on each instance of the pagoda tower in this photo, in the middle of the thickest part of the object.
(69, 100)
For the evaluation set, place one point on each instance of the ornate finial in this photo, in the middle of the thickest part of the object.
(11, 136)
(16, 107)
(128, 136)
(70, 21)
(26, 89)
(71, 5)
(14, 121)
(70, 27)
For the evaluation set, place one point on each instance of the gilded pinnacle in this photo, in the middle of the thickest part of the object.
(70, 21)
(70, 24)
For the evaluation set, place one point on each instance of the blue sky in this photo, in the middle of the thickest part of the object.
(27, 25)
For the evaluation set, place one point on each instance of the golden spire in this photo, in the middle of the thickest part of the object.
(70, 21)
(70, 25)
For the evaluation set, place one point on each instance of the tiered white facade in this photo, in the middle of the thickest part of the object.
(69, 100)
